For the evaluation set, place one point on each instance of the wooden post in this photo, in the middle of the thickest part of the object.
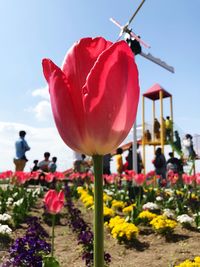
(171, 115)
(153, 135)
(161, 121)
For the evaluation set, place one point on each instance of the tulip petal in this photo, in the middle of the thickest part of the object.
(68, 116)
(112, 96)
(80, 59)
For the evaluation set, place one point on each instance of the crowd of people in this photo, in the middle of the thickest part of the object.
(84, 164)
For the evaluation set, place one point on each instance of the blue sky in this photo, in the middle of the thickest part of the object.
(32, 30)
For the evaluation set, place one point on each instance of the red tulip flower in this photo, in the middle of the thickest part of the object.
(94, 95)
(54, 201)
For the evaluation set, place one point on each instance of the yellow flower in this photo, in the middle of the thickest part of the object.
(107, 212)
(122, 230)
(188, 263)
(129, 208)
(116, 204)
(162, 224)
(197, 259)
(106, 197)
(147, 215)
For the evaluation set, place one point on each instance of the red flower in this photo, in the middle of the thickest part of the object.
(94, 97)
(54, 201)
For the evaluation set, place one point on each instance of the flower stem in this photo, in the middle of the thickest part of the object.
(98, 212)
(52, 236)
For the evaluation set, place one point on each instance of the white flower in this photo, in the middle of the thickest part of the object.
(9, 201)
(150, 206)
(5, 217)
(37, 192)
(159, 198)
(29, 190)
(170, 199)
(169, 191)
(18, 202)
(5, 229)
(184, 218)
(168, 213)
(15, 194)
(108, 192)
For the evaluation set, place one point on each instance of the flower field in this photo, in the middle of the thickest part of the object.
(144, 224)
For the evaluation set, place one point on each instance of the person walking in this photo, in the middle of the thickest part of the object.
(21, 147)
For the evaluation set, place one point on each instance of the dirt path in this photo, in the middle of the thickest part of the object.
(151, 251)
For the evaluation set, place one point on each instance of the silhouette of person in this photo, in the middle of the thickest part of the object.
(177, 142)
(106, 164)
(156, 128)
(35, 166)
(160, 164)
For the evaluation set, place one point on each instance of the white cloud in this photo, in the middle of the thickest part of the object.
(39, 139)
(43, 111)
(41, 92)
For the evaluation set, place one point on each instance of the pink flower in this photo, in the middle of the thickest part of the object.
(6, 174)
(94, 96)
(172, 177)
(54, 201)
(198, 178)
(21, 177)
(187, 179)
(140, 178)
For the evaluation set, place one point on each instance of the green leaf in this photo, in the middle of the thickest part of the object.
(49, 261)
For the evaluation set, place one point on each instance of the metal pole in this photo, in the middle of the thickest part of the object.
(134, 150)
(143, 130)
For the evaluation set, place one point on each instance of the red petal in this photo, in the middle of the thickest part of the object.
(69, 116)
(112, 98)
(80, 59)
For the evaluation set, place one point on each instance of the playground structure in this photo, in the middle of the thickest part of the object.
(155, 93)
(160, 138)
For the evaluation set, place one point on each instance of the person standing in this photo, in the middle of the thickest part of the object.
(119, 160)
(168, 126)
(106, 164)
(21, 147)
(160, 165)
(156, 129)
(177, 142)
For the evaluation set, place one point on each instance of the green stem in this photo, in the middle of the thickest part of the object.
(52, 236)
(98, 212)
